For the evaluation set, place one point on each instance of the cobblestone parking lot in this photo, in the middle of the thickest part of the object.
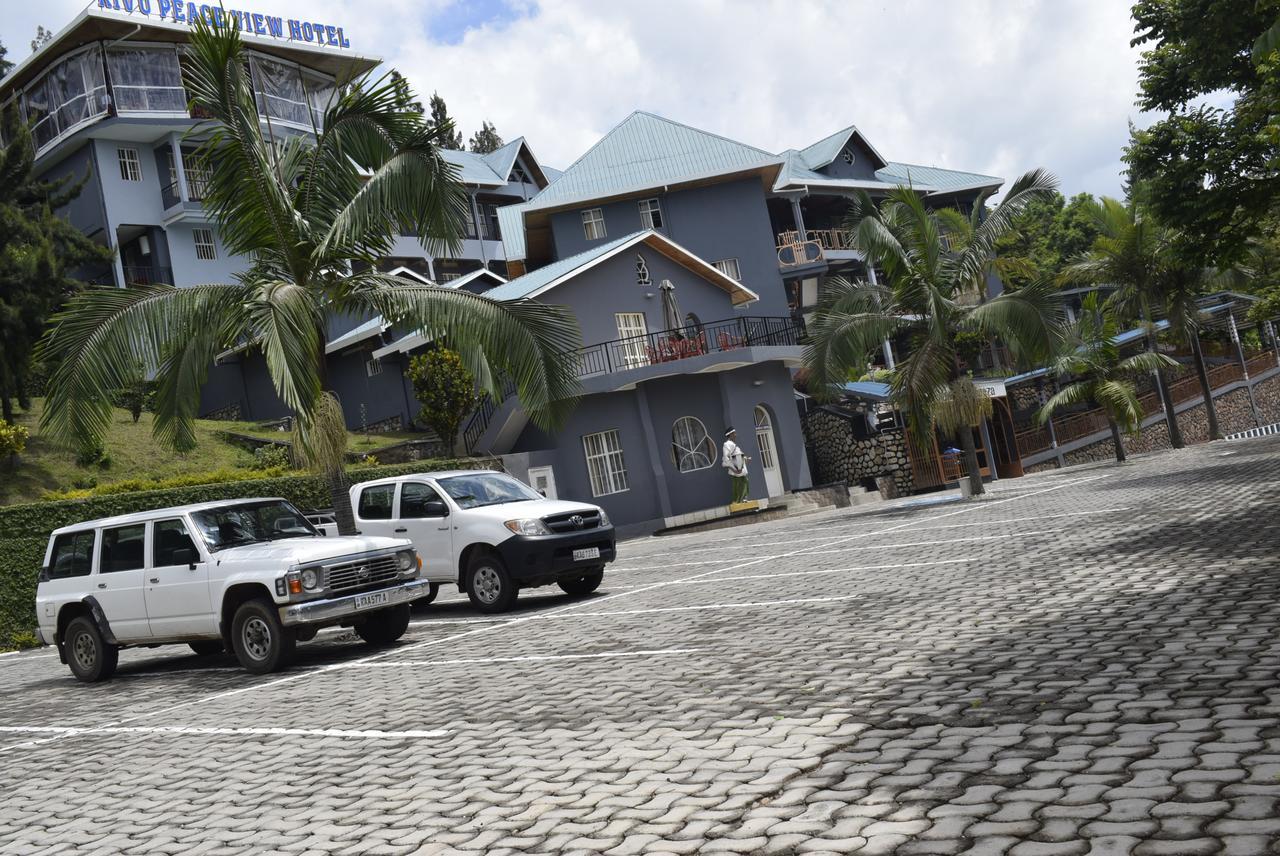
(1085, 661)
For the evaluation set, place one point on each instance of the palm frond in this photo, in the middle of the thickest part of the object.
(1069, 396)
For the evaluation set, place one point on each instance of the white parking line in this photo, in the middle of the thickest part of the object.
(551, 614)
(746, 605)
(944, 541)
(67, 731)
(529, 658)
(785, 574)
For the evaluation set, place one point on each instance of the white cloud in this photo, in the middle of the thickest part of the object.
(984, 85)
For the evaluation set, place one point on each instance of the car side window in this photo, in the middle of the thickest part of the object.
(122, 549)
(414, 497)
(375, 502)
(168, 537)
(72, 555)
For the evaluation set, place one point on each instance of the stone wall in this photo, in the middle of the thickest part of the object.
(1267, 394)
(839, 456)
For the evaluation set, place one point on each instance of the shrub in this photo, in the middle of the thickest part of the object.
(13, 440)
(271, 457)
(91, 452)
(445, 389)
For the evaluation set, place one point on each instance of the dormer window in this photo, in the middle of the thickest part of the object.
(518, 174)
(642, 271)
(847, 156)
(593, 224)
(650, 214)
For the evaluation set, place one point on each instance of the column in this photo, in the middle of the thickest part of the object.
(887, 346)
(1244, 367)
(179, 168)
(798, 216)
(475, 214)
(654, 454)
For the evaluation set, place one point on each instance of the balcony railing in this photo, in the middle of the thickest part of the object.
(147, 275)
(679, 344)
(197, 186)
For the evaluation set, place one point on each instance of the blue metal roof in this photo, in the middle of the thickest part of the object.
(942, 180)
(473, 168)
(647, 151)
(511, 227)
(373, 327)
(868, 389)
(795, 173)
(534, 281)
(501, 160)
(1128, 337)
(828, 149)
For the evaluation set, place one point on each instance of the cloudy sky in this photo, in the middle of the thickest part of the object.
(992, 86)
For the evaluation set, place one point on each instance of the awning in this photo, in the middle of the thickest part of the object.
(373, 327)
(404, 343)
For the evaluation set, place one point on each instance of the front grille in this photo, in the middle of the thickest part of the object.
(362, 573)
(565, 523)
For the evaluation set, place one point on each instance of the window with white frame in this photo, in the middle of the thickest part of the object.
(130, 166)
(634, 334)
(205, 247)
(728, 267)
(373, 367)
(605, 464)
(650, 214)
(691, 446)
(593, 224)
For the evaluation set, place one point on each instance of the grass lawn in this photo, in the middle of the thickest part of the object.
(356, 442)
(134, 454)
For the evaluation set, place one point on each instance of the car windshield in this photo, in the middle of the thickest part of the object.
(473, 491)
(251, 523)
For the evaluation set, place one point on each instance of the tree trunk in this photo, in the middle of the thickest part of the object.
(971, 461)
(1117, 439)
(6, 406)
(1166, 399)
(1215, 433)
(340, 497)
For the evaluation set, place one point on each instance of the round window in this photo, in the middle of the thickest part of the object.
(691, 447)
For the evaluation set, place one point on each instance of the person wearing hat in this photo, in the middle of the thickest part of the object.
(735, 463)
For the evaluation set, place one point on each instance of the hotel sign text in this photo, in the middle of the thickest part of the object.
(253, 23)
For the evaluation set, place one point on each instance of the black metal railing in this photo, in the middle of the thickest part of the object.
(147, 275)
(479, 421)
(682, 343)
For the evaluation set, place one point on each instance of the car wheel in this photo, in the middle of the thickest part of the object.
(489, 586)
(206, 648)
(261, 643)
(432, 590)
(384, 626)
(90, 657)
(584, 584)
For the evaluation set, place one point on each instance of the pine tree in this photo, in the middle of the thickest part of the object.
(5, 65)
(37, 249)
(43, 37)
(404, 94)
(440, 118)
(486, 139)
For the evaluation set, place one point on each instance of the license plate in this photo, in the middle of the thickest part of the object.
(378, 598)
(587, 553)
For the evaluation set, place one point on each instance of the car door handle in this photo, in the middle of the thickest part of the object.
(102, 585)
(402, 529)
(155, 579)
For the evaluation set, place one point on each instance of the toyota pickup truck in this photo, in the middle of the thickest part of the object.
(488, 533)
(250, 575)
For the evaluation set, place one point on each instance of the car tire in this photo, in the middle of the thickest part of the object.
(206, 648)
(261, 643)
(432, 590)
(384, 626)
(584, 584)
(90, 657)
(489, 586)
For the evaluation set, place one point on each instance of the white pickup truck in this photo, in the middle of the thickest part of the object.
(252, 575)
(488, 533)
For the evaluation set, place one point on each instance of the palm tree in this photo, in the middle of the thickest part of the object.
(936, 272)
(1132, 253)
(1090, 353)
(314, 216)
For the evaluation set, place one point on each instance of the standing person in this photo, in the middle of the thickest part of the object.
(735, 463)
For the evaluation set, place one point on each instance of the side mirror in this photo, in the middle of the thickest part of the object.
(435, 508)
(185, 556)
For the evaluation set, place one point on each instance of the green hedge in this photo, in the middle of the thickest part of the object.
(25, 529)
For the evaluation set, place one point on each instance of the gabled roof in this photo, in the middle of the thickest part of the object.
(645, 151)
(473, 168)
(373, 327)
(502, 160)
(940, 180)
(795, 174)
(511, 227)
(546, 278)
(827, 149)
(473, 276)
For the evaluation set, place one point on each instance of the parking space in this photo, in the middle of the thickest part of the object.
(1084, 659)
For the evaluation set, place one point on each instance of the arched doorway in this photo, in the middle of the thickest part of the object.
(768, 452)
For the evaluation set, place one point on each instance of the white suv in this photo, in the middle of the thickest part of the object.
(252, 575)
(488, 533)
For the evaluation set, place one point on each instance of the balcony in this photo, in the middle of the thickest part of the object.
(813, 247)
(147, 275)
(669, 346)
(198, 180)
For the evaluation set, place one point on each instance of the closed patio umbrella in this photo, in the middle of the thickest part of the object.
(672, 317)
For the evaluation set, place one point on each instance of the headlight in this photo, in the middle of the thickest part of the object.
(531, 526)
(604, 519)
(406, 559)
(311, 578)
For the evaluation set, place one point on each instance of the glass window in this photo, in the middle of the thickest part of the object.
(375, 502)
(146, 80)
(372, 367)
(130, 167)
(728, 267)
(650, 214)
(251, 523)
(168, 537)
(122, 549)
(72, 555)
(691, 447)
(475, 490)
(414, 497)
(205, 247)
(635, 338)
(279, 92)
(70, 93)
(605, 464)
(593, 224)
